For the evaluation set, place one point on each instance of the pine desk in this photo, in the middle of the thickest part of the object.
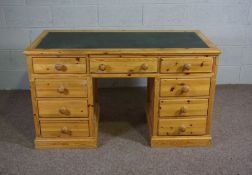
(180, 67)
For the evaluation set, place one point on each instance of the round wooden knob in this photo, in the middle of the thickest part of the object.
(185, 89)
(183, 110)
(187, 67)
(144, 66)
(65, 130)
(59, 67)
(63, 110)
(61, 89)
(182, 128)
(102, 67)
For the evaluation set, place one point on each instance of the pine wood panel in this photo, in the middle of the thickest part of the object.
(212, 96)
(185, 126)
(64, 128)
(183, 107)
(186, 64)
(33, 97)
(61, 87)
(63, 108)
(91, 103)
(69, 142)
(180, 141)
(122, 65)
(59, 65)
(184, 87)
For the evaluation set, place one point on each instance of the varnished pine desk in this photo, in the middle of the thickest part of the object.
(180, 67)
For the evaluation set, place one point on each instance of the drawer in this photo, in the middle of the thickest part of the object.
(188, 126)
(63, 108)
(64, 128)
(123, 65)
(59, 65)
(61, 87)
(186, 64)
(183, 107)
(184, 87)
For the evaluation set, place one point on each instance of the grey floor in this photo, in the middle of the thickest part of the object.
(123, 139)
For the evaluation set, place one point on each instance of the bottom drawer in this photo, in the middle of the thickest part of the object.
(188, 126)
(64, 128)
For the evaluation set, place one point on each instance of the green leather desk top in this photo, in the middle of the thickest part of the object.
(117, 40)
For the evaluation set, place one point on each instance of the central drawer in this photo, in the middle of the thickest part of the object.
(64, 128)
(61, 87)
(63, 108)
(184, 87)
(183, 107)
(123, 65)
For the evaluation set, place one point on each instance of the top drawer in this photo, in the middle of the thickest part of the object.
(186, 64)
(59, 65)
(123, 65)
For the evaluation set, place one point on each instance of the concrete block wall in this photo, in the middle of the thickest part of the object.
(227, 22)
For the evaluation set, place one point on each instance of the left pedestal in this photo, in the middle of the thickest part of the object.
(64, 106)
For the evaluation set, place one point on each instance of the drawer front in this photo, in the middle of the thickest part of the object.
(59, 65)
(61, 88)
(123, 65)
(190, 126)
(64, 128)
(183, 107)
(184, 87)
(63, 108)
(186, 65)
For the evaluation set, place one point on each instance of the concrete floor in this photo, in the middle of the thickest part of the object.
(123, 139)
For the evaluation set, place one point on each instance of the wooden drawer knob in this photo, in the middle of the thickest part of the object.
(61, 89)
(184, 89)
(65, 130)
(102, 67)
(63, 110)
(182, 128)
(183, 110)
(60, 67)
(144, 67)
(187, 67)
